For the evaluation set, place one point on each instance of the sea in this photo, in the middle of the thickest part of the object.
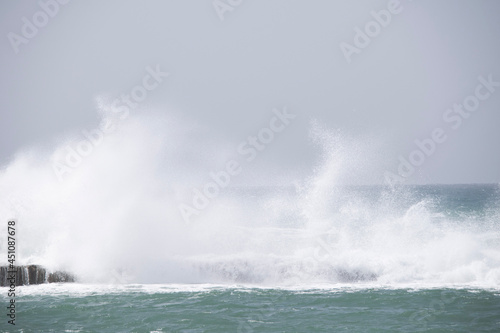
(408, 258)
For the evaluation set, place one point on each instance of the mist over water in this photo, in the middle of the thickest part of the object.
(115, 217)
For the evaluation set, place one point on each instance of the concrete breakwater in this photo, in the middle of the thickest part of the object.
(32, 274)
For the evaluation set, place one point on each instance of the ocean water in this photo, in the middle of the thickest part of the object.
(323, 255)
(205, 308)
(433, 267)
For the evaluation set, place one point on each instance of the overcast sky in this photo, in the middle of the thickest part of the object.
(231, 62)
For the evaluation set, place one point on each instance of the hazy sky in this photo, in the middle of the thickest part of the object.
(229, 74)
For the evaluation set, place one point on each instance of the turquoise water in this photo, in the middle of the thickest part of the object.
(233, 309)
(352, 259)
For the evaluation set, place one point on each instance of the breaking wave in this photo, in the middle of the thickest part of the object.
(105, 205)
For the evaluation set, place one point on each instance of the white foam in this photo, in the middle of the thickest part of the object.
(116, 220)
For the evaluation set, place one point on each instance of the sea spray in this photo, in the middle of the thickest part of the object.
(116, 217)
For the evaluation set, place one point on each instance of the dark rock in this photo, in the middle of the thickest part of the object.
(3, 276)
(32, 274)
(349, 276)
(60, 277)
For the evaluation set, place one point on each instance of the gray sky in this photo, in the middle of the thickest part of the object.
(228, 75)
